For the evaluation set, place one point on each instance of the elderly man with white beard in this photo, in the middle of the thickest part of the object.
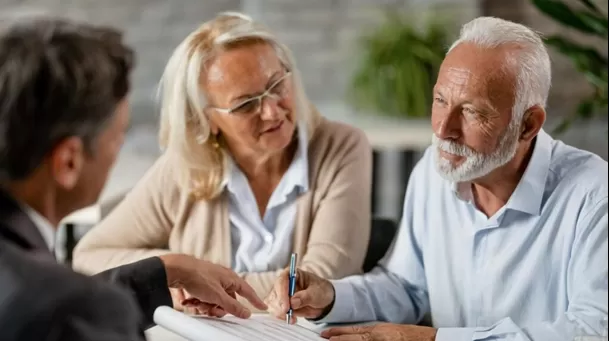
(504, 230)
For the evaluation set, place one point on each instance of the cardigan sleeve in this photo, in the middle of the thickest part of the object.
(340, 222)
(137, 228)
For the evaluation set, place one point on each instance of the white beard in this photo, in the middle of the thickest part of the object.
(476, 165)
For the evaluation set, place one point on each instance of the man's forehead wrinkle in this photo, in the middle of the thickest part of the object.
(455, 82)
(459, 76)
(460, 72)
(464, 80)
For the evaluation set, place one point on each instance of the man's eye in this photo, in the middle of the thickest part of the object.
(439, 100)
(245, 108)
(469, 111)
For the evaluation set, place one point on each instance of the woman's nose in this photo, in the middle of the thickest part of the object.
(270, 110)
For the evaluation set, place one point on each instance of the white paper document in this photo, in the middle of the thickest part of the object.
(230, 328)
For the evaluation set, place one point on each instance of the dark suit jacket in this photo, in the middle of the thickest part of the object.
(43, 300)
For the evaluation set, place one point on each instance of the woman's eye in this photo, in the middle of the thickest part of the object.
(278, 88)
(439, 100)
(245, 108)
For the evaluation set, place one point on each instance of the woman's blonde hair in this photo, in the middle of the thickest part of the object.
(199, 163)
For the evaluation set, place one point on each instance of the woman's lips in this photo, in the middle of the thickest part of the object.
(273, 128)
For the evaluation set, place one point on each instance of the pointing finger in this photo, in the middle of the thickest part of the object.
(247, 292)
(231, 305)
(281, 289)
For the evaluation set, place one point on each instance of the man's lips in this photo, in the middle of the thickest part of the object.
(450, 156)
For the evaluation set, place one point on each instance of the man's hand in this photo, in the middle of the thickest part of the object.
(313, 296)
(211, 289)
(381, 332)
(178, 296)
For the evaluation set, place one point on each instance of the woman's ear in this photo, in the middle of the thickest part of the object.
(209, 117)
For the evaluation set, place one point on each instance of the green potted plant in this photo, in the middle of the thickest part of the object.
(398, 65)
(590, 62)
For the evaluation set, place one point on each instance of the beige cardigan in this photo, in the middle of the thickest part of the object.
(332, 224)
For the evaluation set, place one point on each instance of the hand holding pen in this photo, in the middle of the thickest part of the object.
(312, 296)
(291, 286)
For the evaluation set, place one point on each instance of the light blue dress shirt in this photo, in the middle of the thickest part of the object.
(265, 244)
(536, 270)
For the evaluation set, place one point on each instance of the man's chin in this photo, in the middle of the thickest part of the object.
(449, 175)
(452, 172)
(446, 170)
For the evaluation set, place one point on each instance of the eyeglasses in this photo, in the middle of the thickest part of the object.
(276, 91)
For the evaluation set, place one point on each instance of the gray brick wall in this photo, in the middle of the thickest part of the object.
(322, 34)
(153, 27)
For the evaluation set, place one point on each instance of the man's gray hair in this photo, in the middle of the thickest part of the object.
(531, 61)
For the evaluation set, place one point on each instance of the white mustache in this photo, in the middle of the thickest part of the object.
(452, 147)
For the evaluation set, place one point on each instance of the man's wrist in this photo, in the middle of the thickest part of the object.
(329, 307)
(173, 269)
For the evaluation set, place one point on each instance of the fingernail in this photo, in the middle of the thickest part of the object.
(246, 313)
(296, 302)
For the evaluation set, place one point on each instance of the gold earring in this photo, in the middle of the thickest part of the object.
(215, 142)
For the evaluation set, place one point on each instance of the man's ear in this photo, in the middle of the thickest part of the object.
(66, 162)
(532, 122)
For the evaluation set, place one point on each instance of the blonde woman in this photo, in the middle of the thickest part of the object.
(250, 172)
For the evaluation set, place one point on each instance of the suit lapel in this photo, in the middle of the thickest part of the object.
(18, 228)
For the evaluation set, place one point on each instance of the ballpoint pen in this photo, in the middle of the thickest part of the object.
(292, 286)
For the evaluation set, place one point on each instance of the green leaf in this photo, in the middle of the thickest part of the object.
(397, 64)
(586, 109)
(590, 5)
(587, 60)
(585, 21)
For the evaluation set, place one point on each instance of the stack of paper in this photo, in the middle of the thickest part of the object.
(230, 328)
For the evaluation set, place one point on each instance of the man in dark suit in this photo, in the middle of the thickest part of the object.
(63, 117)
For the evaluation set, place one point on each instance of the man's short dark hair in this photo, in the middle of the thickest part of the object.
(58, 79)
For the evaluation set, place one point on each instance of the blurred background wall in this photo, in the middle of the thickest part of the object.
(322, 34)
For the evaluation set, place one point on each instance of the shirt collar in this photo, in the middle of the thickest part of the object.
(528, 195)
(295, 179)
(45, 228)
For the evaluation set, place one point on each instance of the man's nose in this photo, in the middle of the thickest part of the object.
(447, 126)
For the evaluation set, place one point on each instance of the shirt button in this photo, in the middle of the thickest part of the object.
(268, 239)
